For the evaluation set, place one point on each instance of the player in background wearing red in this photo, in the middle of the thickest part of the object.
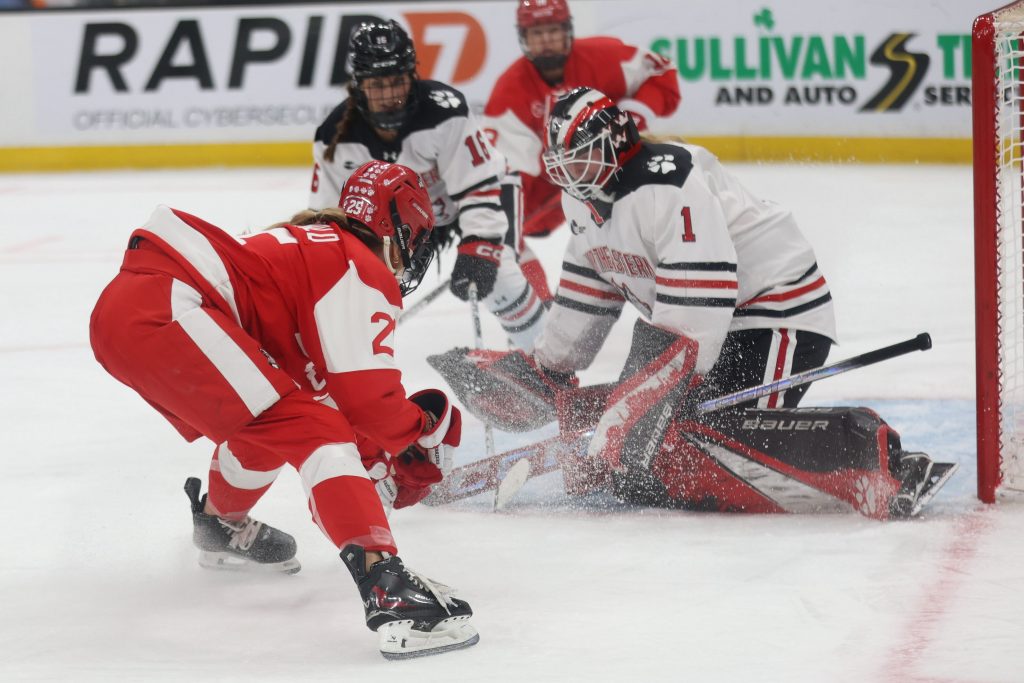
(640, 82)
(279, 347)
(393, 115)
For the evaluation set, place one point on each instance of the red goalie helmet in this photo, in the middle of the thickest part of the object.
(587, 140)
(392, 202)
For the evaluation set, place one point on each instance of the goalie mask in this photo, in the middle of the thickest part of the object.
(587, 141)
(382, 50)
(531, 13)
(391, 201)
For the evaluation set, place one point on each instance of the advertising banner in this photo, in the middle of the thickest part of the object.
(889, 74)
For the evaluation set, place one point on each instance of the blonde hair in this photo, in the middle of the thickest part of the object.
(333, 216)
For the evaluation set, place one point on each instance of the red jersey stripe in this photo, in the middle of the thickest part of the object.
(700, 284)
(590, 291)
(786, 296)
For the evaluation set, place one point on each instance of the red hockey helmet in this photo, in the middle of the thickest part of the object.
(532, 13)
(587, 141)
(391, 201)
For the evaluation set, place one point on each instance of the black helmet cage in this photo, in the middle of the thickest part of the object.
(376, 50)
(416, 255)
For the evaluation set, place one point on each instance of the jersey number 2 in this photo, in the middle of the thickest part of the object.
(478, 148)
(389, 326)
(688, 235)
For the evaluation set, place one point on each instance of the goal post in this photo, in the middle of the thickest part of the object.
(998, 121)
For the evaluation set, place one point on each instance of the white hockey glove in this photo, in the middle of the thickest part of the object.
(443, 430)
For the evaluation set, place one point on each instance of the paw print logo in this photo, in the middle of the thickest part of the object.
(445, 98)
(663, 163)
(866, 496)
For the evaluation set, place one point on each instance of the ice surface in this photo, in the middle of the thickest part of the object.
(99, 582)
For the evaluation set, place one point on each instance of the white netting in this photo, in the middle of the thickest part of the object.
(1009, 48)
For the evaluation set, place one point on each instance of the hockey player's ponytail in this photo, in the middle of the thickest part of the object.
(333, 216)
(351, 114)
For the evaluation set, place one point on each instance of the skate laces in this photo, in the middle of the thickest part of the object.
(243, 532)
(439, 590)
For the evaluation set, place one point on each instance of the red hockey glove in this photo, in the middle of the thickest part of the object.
(401, 481)
(476, 263)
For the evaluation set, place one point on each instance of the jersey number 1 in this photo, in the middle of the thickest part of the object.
(688, 235)
(478, 148)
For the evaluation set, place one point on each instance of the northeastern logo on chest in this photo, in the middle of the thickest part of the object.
(608, 260)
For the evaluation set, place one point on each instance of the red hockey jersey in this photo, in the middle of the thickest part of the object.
(320, 303)
(637, 80)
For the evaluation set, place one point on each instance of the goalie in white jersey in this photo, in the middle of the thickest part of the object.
(730, 297)
(392, 115)
(728, 288)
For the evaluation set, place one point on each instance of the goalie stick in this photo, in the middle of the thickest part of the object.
(489, 473)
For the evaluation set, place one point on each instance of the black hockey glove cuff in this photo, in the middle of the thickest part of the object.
(476, 263)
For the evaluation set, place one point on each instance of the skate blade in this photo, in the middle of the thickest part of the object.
(398, 639)
(941, 473)
(233, 563)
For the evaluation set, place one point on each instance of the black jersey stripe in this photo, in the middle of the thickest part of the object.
(785, 313)
(810, 271)
(582, 272)
(456, 196)
(515, 304)
(702, 301)
(723, 266)
(586, 308)
(512, 329)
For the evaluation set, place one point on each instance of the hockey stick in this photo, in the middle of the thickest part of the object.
(478, 342)
(427, 298)
(921, 342)
(488, 473)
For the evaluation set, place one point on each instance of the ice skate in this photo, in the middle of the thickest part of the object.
(921, 479)
(243, 545)
(412, 615)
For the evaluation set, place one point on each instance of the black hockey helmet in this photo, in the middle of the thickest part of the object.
(586, 142)
(378, 49)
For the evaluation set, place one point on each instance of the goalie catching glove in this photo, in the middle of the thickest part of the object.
(476, 263)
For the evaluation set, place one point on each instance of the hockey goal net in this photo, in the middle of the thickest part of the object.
(998, 91)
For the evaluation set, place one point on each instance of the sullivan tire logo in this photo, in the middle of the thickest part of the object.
(907, 70)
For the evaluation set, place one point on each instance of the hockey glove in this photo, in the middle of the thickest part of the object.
(476, 263)
(442, 433)
(401, 481)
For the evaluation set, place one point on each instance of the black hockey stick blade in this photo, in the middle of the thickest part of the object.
(921, 342)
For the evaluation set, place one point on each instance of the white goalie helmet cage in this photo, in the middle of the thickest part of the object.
(587, 140)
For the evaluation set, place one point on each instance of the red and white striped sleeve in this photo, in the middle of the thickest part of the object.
(584, 311)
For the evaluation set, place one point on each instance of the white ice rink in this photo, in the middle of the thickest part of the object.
(98, 579)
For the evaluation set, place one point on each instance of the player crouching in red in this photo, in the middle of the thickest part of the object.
(279, 347)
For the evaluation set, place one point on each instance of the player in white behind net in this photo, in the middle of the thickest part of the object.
(279, 347)
(393, 115)
(730, 296)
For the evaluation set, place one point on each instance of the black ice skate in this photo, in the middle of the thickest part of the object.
(412, 615)
(920, 479)
(245, 545)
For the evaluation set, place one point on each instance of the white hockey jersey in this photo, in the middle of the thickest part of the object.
(462, 171)
(693, 250)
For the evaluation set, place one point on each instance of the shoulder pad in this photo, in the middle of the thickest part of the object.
(438, 103)
(655, 164)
